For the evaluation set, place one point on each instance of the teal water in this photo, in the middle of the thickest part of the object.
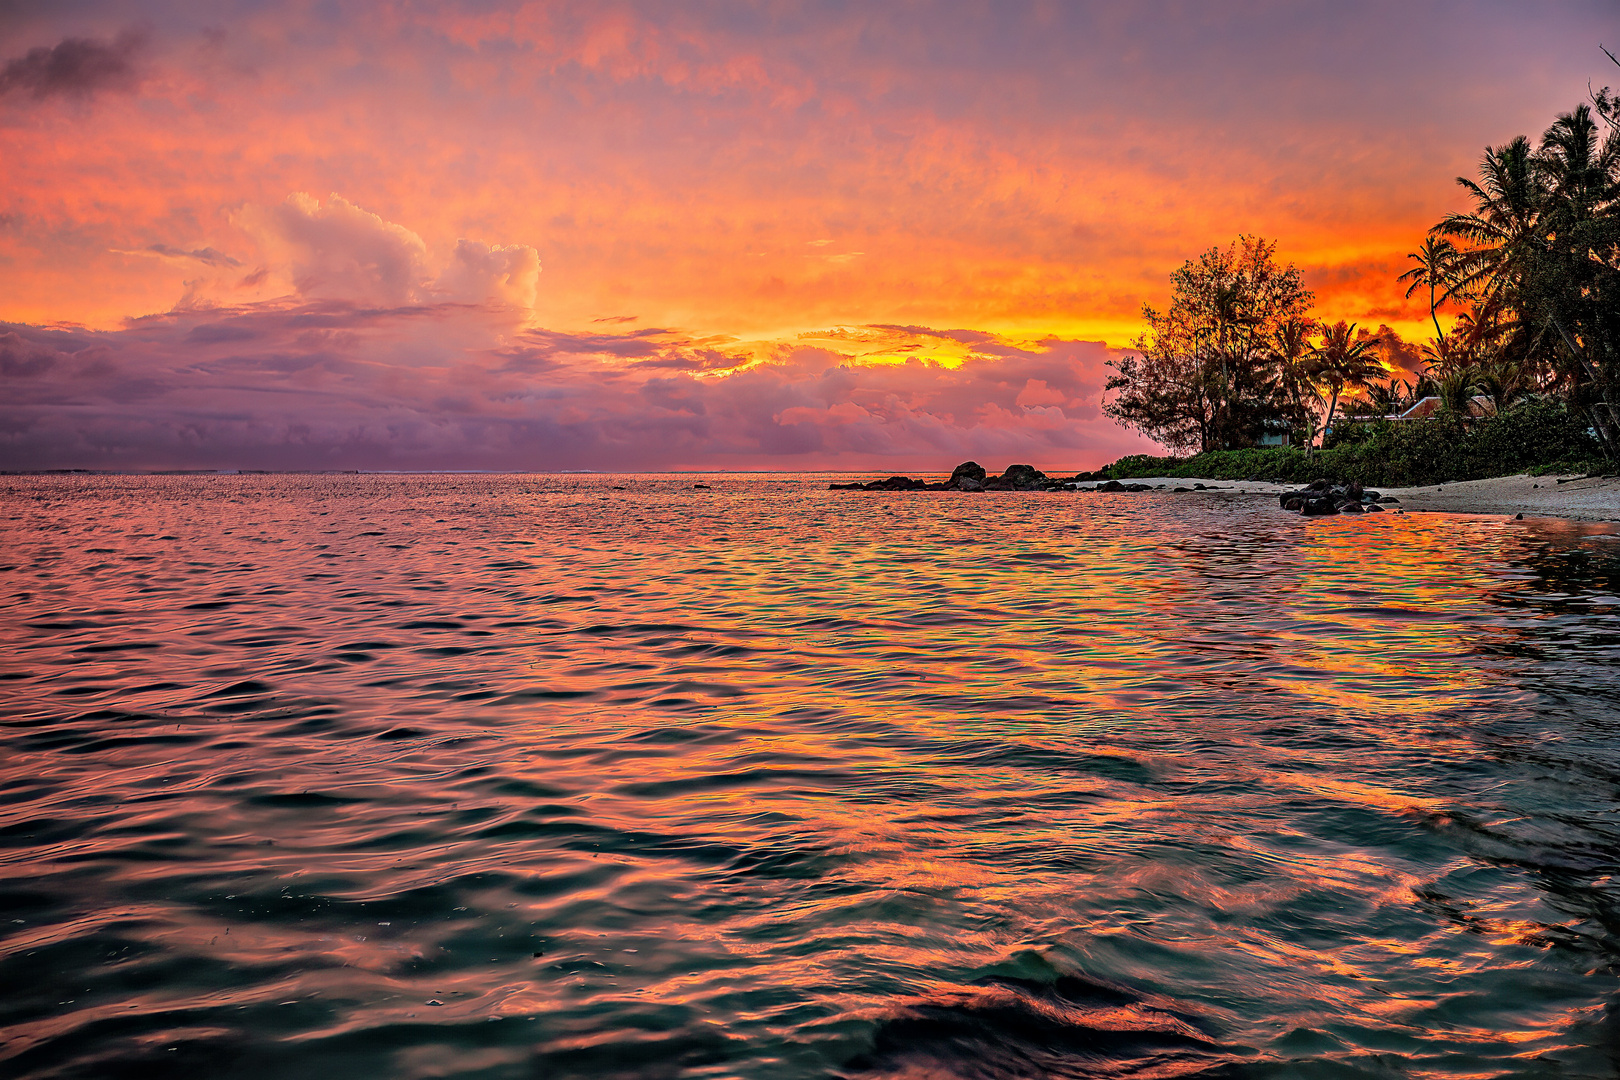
(529, 776)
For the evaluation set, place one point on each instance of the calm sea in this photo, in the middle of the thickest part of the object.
(539, 776)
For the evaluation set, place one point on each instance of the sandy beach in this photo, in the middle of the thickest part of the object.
(1574, 499)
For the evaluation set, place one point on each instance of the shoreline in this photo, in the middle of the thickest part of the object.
(1570, 497)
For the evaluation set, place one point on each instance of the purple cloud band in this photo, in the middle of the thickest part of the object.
(330, 384)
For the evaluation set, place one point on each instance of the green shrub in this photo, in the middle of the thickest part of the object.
(1534, 436)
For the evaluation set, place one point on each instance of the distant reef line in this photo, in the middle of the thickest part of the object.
(971, 476)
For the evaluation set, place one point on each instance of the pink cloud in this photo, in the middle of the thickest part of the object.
(338, 384)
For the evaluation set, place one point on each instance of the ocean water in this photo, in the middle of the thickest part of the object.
(608, 776)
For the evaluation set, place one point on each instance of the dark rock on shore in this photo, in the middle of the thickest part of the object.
(1323, 497)
(971, 470)
(1023, 477)
(1320, 506)
(971, 476)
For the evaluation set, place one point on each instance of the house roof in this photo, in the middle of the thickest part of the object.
(1478, 405)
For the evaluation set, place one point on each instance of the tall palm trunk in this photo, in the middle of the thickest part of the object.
(1327, 425)
(1603, 413)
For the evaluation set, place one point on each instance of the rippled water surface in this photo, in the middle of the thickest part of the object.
(531, 776)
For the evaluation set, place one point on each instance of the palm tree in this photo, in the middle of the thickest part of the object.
(1296, 371)
(1580, 171)
(1482, 328)
(1452, 372)
(1387, 398)
(1504, 382)
(1580, 222)
(1538, 255)
(1435, 268)
(1455, 389)
(1446, 355)
(1342, 361)
(1578, 292)
(1503, 232)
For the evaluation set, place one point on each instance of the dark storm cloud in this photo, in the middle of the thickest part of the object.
(207, 255)
(76, 67)
(21, 358)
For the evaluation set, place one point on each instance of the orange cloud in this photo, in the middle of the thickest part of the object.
(1028, 173)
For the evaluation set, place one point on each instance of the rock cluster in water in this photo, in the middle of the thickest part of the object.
(971, 476)
(1324, 497)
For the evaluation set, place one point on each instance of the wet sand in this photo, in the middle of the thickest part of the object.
(1576, 499)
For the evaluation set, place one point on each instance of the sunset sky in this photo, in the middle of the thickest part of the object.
(712, 235)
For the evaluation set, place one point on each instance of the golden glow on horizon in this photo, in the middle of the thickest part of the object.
(688, 224)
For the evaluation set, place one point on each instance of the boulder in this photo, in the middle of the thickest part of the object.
(968, 483)
(970, 469)
(1319, 507)
(1024, 477)
(1293, 503)
(896, 483)
(1389, 499)
(1111, 485)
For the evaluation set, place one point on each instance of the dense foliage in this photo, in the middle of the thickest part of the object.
(1530, 274)
(1535, 436)
(1535, 268)
(1206, 376)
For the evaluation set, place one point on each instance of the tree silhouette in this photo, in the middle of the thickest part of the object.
(1343, 362)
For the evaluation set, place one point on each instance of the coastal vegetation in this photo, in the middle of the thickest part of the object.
(1543, 435)
(1525, 376)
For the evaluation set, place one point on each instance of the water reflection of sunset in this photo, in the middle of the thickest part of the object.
(571, 757)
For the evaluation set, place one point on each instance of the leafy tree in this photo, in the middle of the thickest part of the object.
(1205, 376)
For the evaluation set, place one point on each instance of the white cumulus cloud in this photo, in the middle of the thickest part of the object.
(340, 251)
(505, 273)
